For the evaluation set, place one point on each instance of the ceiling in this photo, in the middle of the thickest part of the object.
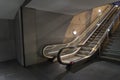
(70, 7)
(8, 8)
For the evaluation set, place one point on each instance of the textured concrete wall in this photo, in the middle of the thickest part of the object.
(7, 40)
(78, 24)
(96, 13)
(42, 28)
(81, 21)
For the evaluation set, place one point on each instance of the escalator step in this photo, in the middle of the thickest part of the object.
(91, 38)
(91, 45)
(95, 33)
(93, 42)
(98, 36)
(96, 39)
(86, 48)
(84, 52)
(102, 31)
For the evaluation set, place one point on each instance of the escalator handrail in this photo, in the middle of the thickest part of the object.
(60, 51)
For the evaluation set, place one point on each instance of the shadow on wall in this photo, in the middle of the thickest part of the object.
(7, 40)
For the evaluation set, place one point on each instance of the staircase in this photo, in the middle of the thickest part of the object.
(112, 51)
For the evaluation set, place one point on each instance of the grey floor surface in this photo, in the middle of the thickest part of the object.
(100, 70)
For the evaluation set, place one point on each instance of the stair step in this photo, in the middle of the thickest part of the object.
(108, 51)
(114, 37)
(110, 58)
(114, 40)
(113, 47)
(111, 54)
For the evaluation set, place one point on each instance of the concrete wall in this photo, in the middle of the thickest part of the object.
(29, 27)
(79, 24)
(7, 40)
(81, 21)
(18, 39)
(42, 28)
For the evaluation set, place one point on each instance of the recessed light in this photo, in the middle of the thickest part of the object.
(74, 32)
(116, 5)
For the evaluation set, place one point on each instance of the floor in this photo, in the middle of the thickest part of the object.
(99, 70)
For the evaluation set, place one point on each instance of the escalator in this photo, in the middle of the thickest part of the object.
(81, 53)
(51, 51)
(83, 48)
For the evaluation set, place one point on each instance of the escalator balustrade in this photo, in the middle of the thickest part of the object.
(51, 51)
